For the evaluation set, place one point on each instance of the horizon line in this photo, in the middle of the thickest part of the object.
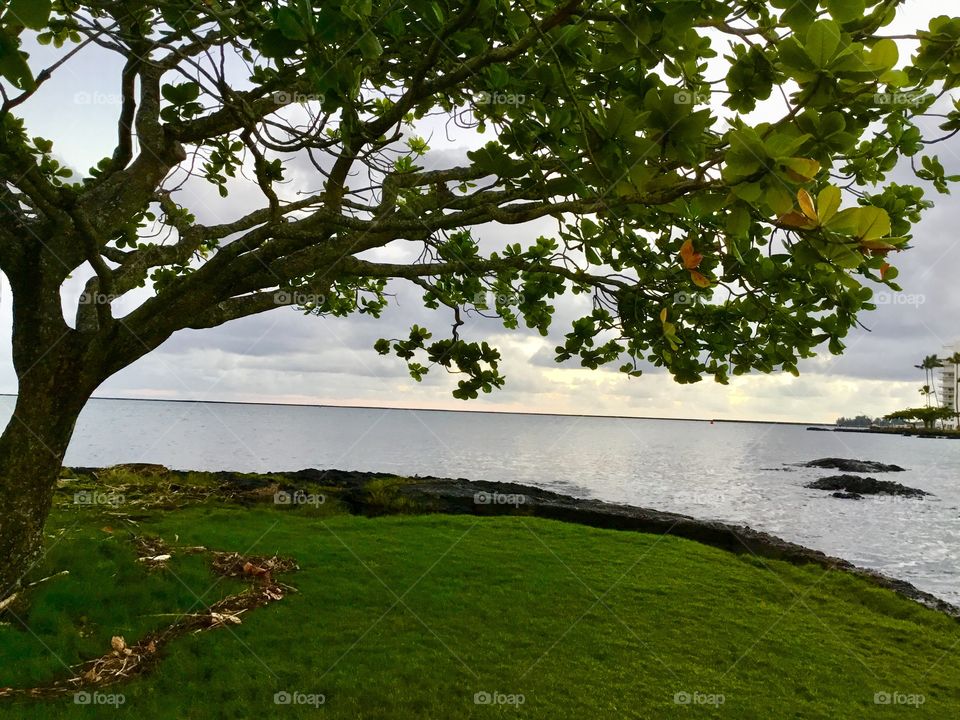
(484, 412)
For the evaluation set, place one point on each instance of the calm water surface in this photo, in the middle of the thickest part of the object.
(737, 472)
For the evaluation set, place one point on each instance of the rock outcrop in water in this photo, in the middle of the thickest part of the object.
(854, 487)
(846, 465)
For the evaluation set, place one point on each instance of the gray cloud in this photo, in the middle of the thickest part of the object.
(285, 356)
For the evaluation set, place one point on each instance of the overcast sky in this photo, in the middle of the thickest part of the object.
(283, 356)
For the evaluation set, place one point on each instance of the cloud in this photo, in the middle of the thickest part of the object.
(285, 356)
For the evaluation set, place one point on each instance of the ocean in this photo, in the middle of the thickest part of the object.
(742, 473)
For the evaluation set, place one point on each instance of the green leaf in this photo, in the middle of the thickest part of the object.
(13, 64)
(839, 253)
(738, 222)
(33, 14)
(884, 55)
(846, 10)
(823, 38)
(845, 221)
(370, 46)
(779, 199)
(797, 13)
(828, 202)
(872, 223)
(290, 24)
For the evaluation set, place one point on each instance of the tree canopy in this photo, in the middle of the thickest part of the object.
(719, 172)
(926, 415)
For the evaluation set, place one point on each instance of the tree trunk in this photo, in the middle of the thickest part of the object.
(32, 448)
(54, 382)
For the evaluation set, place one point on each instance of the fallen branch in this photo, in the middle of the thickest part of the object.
(48, 577)
(124, 661)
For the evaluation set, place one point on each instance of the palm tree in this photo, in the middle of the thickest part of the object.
(929, 364)
(926, 392)
(926, 378)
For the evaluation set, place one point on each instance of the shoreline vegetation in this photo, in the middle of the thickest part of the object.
(945, 433)
(457, 572)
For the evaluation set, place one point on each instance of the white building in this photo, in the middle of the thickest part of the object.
(949, 379)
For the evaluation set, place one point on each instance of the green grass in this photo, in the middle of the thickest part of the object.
(409, 616)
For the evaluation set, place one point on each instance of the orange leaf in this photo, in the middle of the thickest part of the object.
(699, 279)
(884, 269)
(690, 257)
(806, 204)
(795, 219)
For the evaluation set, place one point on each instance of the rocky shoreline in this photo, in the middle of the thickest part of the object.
(370, 493)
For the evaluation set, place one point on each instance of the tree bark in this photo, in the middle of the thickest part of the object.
(31, 453)
(55, 381)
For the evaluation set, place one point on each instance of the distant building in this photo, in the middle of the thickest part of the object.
(948, 381)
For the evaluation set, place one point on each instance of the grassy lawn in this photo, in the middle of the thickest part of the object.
(411, 616)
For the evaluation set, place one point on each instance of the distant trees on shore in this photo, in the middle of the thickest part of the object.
(929, 416)
(863, 421)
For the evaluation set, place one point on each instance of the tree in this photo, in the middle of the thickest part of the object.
(861, 421)
(927, 415)
(929, 364)
(703, 239)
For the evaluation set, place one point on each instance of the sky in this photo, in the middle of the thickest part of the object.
(284, 356)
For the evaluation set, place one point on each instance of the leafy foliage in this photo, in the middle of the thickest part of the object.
(719, 210)
(926, 415)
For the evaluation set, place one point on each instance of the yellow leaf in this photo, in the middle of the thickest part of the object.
(663, 315)
(806, 204)
(877, 245)
(800, 170)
